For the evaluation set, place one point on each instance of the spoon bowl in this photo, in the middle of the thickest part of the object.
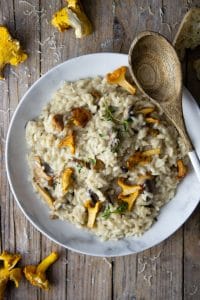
(156, 70)
(155, 67)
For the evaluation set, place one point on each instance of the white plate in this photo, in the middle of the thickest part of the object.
(172, 216)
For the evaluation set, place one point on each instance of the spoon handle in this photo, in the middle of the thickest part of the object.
(195, 162)
(175, 113)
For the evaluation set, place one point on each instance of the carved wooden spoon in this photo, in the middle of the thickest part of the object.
(156, 70)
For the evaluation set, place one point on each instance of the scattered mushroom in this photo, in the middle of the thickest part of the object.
(182, 169)
(152, 120)
(36, 275)
(9, 260)
(10, 50)
(127, 188)
(118, 77)
(39, 171)
(136, 159)
(66, 179)
(150, 185)
(72, 16)
(130, 199)
(57, 121)
(93, 196)
(142, 178)
(81, 162)
(153, 132)
(96, 95)
(142, 158)
(92, 212)
(8, 272)
(60, 20)
(44, 194)
(81, 116)
(68, 141)
(99, 165)
(151, 152)
(146, 110)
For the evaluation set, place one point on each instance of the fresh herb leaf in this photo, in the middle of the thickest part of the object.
(126, 123)
(79, 168)
(115, 147)
(119, 210)
(101, 135)
(92, 161)
(109, 110)
(107, 212)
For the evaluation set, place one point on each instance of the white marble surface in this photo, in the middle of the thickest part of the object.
(172, 216)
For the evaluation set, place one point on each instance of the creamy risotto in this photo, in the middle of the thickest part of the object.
(103, 159)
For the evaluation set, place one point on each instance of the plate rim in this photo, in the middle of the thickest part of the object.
(26, 214)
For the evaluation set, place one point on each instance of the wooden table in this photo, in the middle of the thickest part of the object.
(168, 271)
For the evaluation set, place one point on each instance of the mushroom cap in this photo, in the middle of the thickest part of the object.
(36, 278)
(10, 260)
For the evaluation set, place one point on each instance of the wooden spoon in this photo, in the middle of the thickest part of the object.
(156, 70)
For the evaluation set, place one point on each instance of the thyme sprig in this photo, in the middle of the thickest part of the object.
(119, 210)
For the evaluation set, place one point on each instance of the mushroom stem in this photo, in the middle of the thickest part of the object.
(3, 283)
(118, 77)
(127, 86)
(47, 262)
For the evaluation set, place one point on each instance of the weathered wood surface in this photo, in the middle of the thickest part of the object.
(169, 271)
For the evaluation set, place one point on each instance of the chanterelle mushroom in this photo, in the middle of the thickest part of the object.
(10, 50)
(127, 188)
(36, 275)
(92, 212)
(182, 169)
(57, 121)
(81, 116)
(72, 16)
(68, 141)
(130, 199)
(66, 179)
(8, 272)
(45, 195)
(39, 170)
(118, 77)
(145, 110)
(142, 158)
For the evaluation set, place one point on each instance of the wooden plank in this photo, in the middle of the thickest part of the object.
(88, 277)
(51, 47)
(191, 257)
(167, 281)
(19, 235)
(154, 268)
(124, 277)
(159, 270)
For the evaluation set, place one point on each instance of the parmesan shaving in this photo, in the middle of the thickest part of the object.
(33, 11)
(148, 279)
(107, 262)
(194, 291)
(142, 268)
(170, 275)
(155, 257)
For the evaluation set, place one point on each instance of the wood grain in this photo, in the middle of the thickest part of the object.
(169, 271)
